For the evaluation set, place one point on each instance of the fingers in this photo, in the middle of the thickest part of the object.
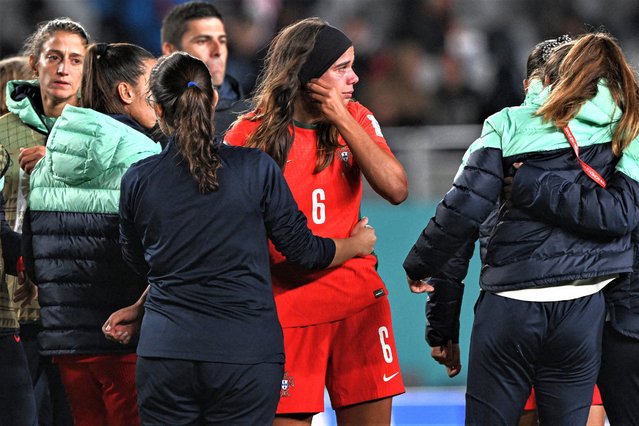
(438, 355)
(115, 332)
(32, 296)
(25, 294)
(122, 325)
(29, 157)
(453, 371)
(363, 222)
(113, 321)
(315, 85)
(419, 286)
(365, 235)
(19, 295)
(448, 356)
(454, 366)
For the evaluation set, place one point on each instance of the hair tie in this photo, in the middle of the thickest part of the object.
(101, 48)
(191, 84)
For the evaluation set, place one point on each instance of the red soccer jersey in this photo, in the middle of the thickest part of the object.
(330, 200)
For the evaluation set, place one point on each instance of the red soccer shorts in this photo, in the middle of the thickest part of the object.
(531, 403)
(355, 358)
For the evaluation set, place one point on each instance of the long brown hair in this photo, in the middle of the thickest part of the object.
(277, 89)
(593, 58)
(181, 85)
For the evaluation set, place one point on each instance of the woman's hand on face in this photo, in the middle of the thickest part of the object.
(329, 101)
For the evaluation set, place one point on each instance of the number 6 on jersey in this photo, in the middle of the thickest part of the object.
(319, 208)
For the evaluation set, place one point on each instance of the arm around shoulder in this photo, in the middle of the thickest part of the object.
(611, 212)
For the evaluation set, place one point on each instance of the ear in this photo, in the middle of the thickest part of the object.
(167, 48)
(546, 81)
(125, 93)
(159, 111)
(525, 85)
(33, 63)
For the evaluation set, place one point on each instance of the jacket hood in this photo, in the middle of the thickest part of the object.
(535, 87)
(84, 144)
(598, 111)
(23, 99)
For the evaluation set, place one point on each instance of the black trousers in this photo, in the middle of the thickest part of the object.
(17, 400)
(51, 400)
(619, 378)
(180, 392)
(555, 346)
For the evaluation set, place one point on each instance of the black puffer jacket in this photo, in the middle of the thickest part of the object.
(71, 231)
(599, 212)
(523, 251)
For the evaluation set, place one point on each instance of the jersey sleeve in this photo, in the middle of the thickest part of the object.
(238, 134)
(369, 123)
(475, 192)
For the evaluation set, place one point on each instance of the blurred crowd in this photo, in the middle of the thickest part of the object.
(420, 62)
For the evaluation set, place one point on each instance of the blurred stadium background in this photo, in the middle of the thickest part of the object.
(431, 71)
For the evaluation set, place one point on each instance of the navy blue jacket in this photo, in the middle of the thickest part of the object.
(597, 212)
(230, 105)
(206, 255)
(523, 251)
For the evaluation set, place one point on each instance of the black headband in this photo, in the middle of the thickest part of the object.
(330, 44)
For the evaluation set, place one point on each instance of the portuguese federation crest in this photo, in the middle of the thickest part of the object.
(288, 383)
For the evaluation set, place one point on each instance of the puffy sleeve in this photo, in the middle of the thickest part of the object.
(610, 212)
(473, 196)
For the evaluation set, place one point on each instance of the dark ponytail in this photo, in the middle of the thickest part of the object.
(106, 66)
(181, 85)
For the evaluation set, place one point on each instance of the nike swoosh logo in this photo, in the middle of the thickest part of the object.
(386, 379)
